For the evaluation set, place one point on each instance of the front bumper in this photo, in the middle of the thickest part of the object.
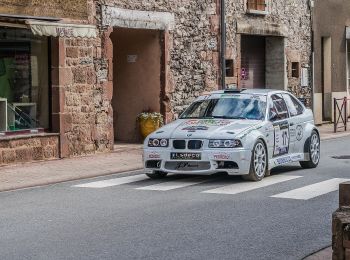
(212, 161)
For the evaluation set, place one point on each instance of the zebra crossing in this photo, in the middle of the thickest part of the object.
(307, 192)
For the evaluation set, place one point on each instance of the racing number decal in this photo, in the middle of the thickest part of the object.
(282, 137)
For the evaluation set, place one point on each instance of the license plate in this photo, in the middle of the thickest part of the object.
(185, 156)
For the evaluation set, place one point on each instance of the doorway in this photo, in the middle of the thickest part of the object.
(263, 62)
(137, 55)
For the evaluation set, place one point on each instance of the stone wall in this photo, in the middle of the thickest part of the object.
(52, 8)
(193, 47)
(25, 149)
(84, 111)
(288, 18)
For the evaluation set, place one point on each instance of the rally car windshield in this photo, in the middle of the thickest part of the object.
(231, 107)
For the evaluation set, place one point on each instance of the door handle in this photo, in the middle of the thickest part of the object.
(291, 124)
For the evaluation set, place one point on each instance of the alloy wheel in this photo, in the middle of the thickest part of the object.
(260, 160)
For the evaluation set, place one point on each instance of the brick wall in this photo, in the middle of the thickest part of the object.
(26, 149)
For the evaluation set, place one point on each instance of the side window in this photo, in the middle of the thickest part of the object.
(278, 108)
(295, 108)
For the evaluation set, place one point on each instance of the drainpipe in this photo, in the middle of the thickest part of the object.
(223, 43)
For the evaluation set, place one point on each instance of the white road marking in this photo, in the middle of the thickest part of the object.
(113, 182)
(175, 184)
(312, 191)
(248, 186)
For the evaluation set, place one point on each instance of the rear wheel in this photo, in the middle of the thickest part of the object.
(313, 149)
(258, 164)
(157, 175)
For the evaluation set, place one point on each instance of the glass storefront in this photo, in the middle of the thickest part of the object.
(24, 80)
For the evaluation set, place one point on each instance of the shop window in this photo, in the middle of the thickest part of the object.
(257, 5)
(24, 81)
(229, 68)
(295, 70)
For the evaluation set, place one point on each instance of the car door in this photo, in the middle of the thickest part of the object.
(279, 117)
(296, 123)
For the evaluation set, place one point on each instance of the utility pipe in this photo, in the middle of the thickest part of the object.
(223, 43)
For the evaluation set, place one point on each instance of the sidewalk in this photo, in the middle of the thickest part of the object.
(27, 175)
(327, 132)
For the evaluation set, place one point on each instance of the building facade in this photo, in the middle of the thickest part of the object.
(73, 80)
(331, 30)
(269, 42)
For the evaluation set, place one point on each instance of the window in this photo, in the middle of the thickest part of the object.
(295, 108)
(240, 106)
(24, 91)
(278, 108)
(258, 5)
(295, 70)
(229, 68)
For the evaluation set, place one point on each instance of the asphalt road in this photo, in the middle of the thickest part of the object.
(110, 220)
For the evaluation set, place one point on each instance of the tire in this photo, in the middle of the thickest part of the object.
(258, 164)
(312, 147)
(157, 175)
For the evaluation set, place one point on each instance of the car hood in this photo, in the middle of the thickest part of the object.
(205, 128)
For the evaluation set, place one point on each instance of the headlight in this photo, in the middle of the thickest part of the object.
(155, 142)
(226, 143)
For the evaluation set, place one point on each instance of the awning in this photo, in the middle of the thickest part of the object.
(62, 29)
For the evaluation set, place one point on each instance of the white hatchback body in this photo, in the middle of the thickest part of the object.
(211, 144)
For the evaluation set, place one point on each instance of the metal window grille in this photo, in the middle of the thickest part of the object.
(259, 5)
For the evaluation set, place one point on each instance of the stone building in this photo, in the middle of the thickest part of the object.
(269, 42)
(332, 56)
(74, 79)
(51, 101)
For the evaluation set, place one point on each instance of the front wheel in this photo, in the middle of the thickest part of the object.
(157, 175)
(258, 164)
(313, 149)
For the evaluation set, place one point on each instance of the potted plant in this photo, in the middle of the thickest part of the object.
(149, 122)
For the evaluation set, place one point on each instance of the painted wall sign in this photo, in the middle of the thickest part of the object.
(244, 74)
(131, 58)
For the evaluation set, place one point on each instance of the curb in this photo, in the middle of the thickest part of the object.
(318, 254)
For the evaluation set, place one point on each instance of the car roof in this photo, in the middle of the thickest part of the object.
(260, 91)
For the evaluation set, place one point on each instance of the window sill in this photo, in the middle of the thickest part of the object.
(257, 12)
(22, 135)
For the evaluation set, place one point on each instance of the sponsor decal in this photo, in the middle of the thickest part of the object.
(186, 165)
(196, 128)
(283, 160)
(299, 132)
(154, 155)
(282, 137)
(207, 122)
(185, 156)
(297, 157)
(221, 156)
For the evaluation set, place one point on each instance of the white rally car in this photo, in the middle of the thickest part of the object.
(245, 132)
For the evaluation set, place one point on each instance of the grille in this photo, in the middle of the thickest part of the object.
(153, 164)
(187, 166)
(179, 144)
(195, 144)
